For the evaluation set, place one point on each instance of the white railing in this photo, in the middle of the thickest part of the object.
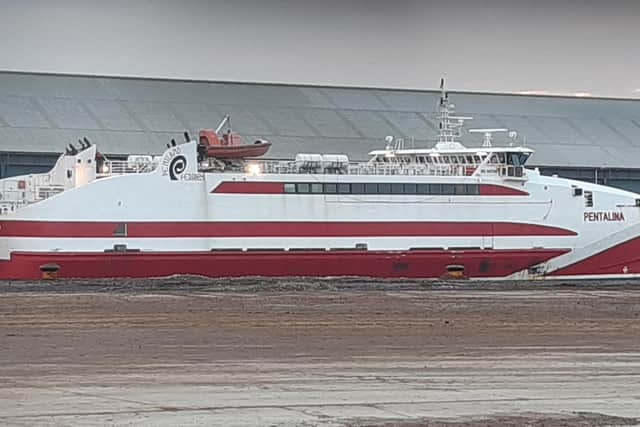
(365, 168)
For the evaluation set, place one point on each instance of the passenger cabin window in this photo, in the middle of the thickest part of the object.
(357, 188)
(473, 189)
(371, 188)
(409, 188)
(289, 188)
(384, 188)
(422, 188)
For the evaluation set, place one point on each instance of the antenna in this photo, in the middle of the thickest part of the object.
(450, 126)
(487, 138)
(389, 140)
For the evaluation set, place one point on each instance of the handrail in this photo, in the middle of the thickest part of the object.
(367, 168)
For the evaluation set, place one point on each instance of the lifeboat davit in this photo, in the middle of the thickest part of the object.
(230, 145)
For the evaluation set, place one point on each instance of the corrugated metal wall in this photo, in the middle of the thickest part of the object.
(43, 113)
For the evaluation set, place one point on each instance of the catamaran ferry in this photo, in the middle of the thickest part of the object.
(210, 207)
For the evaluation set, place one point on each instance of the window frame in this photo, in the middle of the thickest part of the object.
(370, 188)
(395, 186)
(343, 185)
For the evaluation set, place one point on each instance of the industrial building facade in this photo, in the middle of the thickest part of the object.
(596, 140)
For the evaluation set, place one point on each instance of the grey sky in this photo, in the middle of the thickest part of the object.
(563, 46)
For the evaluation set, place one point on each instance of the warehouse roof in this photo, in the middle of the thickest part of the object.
(44, 112)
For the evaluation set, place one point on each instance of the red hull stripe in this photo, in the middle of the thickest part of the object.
(261, 187)
(500, 190)
(277, 229)
(418, 263)
(623, 258)
(249, 187)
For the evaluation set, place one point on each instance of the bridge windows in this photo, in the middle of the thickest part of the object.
(517, 159)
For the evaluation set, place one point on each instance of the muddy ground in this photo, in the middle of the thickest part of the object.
(194, 351)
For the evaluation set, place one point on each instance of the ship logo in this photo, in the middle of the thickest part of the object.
(177, 166)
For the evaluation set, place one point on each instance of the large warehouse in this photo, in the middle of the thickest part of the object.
(585, 138)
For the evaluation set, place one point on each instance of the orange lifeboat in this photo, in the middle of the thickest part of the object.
(230, 145)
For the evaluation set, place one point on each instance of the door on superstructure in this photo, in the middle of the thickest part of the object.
(487, 242)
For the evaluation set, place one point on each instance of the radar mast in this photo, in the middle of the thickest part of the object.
(450, 126)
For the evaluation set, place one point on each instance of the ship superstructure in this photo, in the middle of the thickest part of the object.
(204, 208)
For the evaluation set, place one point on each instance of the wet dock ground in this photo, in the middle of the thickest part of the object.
(330, 352)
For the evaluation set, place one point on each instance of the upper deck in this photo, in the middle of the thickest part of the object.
(82, 165)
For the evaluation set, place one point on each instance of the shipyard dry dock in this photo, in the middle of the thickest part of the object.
(189, 351)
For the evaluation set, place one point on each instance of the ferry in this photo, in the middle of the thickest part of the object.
(444, 211)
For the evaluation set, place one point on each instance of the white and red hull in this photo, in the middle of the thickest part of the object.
(236, 224)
